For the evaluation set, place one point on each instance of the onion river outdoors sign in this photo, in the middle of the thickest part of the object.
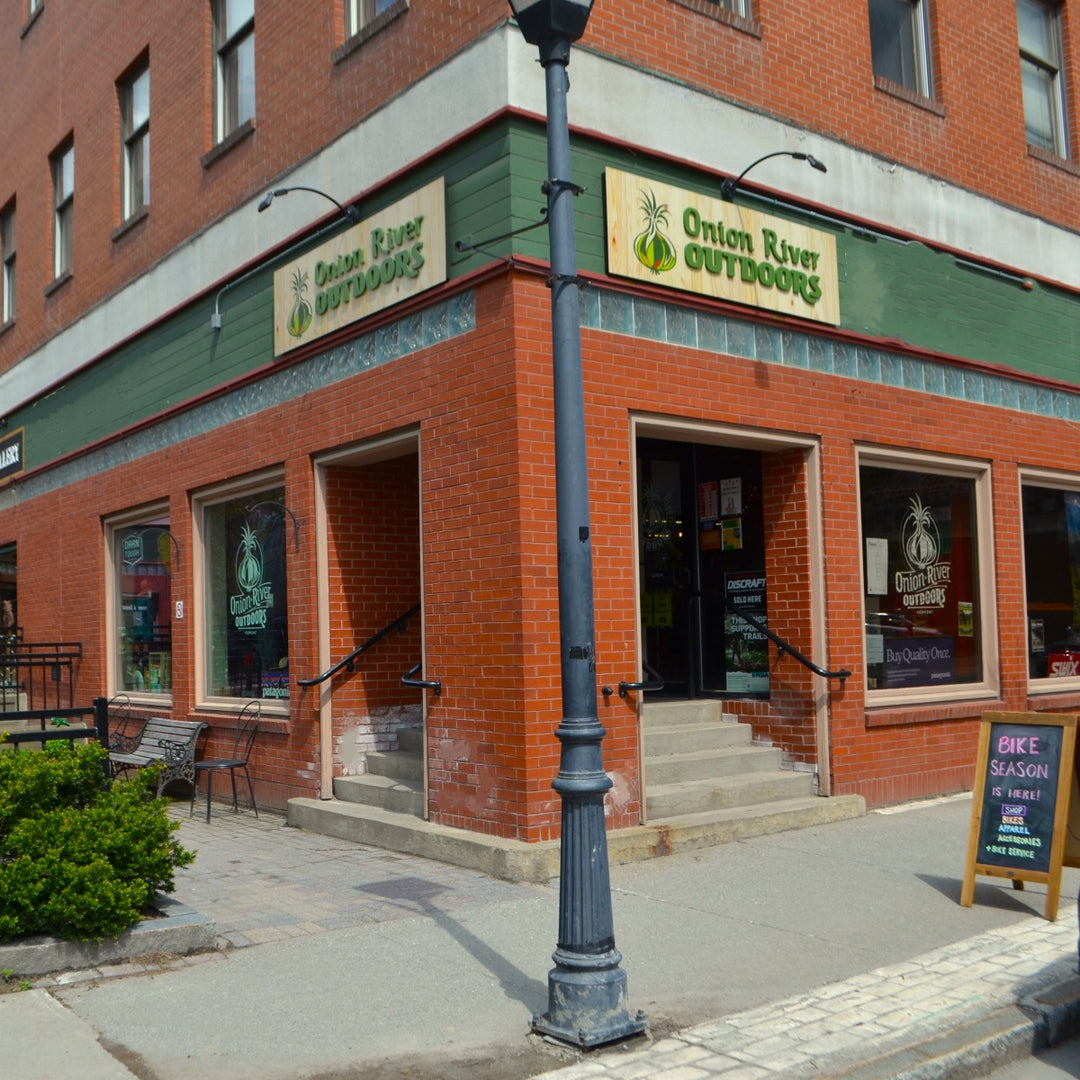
(395, 254)
(685, 240)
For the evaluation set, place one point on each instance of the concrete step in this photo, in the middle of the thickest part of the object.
(725, 792)
(702, 764)
(398, 764)
(688, 736)
(513, 860)
(693, 710)
(391, 793)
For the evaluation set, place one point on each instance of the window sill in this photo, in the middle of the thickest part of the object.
(713, 11)
(125, 227)
(366, 33)
(59, 283)
(30, 22)
(903, 716)
(234, 138)
(912, 97)
(225, 719)
(1053, 159)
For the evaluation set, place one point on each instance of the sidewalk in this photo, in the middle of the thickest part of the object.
(809, 953)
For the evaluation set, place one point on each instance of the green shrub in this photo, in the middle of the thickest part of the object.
(80, 856)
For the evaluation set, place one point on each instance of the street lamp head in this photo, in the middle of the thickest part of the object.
(543, 20)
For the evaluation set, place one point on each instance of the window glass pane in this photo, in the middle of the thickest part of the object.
(895, 41)
(140, 102)
(1038, 106)
(1052, 581)
(64, 175)
(1035, 26)
(247, 631)
(237, 13)
(143, 560)
(923, 623)
(245, 80)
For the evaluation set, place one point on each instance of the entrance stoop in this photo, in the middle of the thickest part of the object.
(707, 783)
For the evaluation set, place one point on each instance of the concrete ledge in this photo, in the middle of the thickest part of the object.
(180, 931)
(515, 861)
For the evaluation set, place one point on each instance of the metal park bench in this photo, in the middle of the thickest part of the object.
(170, 743)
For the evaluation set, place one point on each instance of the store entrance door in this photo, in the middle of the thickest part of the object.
(702, 568)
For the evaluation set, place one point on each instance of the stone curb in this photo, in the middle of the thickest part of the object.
(181, 931)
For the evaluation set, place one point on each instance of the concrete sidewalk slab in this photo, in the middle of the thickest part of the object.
(43, 1039)
(347, 961)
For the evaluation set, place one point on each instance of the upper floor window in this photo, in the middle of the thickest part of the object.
(358, 13)
(899, 43)
(7, 256)
(33, 6)
(63, 175)
(234, 48)
(1040, 72)
(135, 131)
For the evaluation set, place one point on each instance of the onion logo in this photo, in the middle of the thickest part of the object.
(249, 569)
(919, 536)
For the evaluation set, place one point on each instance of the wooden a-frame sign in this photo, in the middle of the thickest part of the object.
(1025, 814)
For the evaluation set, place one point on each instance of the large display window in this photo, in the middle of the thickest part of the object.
(140, 638)
(245, 595)
(925, 575)
(1050, 510)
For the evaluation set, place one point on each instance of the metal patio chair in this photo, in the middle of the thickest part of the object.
(247, 727)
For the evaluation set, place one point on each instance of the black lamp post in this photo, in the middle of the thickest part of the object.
(586, 988)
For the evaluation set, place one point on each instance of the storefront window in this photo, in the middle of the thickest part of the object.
(247, 638)
(924, 618)
(142, 571)
(1051, 518)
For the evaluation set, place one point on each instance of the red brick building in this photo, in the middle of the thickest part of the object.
(830, 412)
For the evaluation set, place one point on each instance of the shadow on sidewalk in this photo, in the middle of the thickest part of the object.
(418, 894)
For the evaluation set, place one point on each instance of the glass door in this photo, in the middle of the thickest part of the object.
(702, 560)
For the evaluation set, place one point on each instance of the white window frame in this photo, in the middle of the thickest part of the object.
(920, 58)
(63, 174)
(113, 525)
(7, 259)
(200, 502)
(361, 13)
(914, 461)
(1049, 67)
(231, 109)
(1054, 481)
(135, 137)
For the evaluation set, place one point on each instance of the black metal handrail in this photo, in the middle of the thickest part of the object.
(653, 682)
(783, 646)
(349, 662)
(421, 684)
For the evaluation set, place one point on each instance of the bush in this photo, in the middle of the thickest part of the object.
(80, 856)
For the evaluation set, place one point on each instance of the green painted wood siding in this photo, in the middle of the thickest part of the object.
(900, 293)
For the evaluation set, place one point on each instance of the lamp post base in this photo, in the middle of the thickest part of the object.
(587, 1002)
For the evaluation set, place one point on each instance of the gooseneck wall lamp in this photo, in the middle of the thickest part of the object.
(731, 185)
(586, 988)
(351, 212)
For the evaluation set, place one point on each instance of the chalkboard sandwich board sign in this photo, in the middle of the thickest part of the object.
(1024, 776)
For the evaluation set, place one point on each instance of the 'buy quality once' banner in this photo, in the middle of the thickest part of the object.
(686, 240)
(394, 254)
